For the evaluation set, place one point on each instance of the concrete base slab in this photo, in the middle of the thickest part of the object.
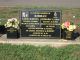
(38, 42)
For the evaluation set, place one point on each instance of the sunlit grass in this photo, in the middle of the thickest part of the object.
(28, 52)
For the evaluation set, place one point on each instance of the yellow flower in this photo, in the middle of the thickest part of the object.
(74, 26)
(71, 27)
(62, 26)
(13, 22)
(9, 20)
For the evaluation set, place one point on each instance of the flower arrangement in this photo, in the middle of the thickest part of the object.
(68, 25)
(13, 22)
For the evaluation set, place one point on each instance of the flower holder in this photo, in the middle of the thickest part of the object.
(68, 30)
(69, 35)
(63, 33)
(2, 29)
(12, 33)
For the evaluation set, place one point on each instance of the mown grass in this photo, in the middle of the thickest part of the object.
(28, 52)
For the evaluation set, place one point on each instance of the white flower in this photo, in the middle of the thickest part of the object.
(74, 26)
(9, 25)
(9, 20)
(71, 27)
(74, 16)
(16, 26)
(13, 25)
(14, 19)
(62, 26)
(13, 22)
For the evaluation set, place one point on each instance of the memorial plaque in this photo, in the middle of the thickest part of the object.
(41, 23)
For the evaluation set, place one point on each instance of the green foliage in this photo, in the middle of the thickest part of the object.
(78, 24)
(28, 52)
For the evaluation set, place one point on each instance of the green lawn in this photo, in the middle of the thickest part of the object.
(28, 52)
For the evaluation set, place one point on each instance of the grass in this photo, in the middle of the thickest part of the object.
(28, 52)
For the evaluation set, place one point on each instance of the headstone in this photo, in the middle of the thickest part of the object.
(40, 23)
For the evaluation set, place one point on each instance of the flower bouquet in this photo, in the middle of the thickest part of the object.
(12, 23)
(12, 26)
(68, 28)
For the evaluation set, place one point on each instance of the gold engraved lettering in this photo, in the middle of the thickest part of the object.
(48, 28)
(39, 28)
(45, 19)
(31, 30)
(26, 30)
(40, 13)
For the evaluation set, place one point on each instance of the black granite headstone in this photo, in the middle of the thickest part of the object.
(41, 23)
